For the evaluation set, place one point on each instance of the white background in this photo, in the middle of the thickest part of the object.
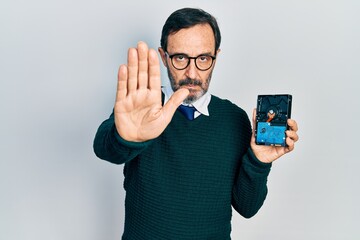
(58, 67)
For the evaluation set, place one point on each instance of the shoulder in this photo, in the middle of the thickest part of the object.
(230, 117)
(225, 106)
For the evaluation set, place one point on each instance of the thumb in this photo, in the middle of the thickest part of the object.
(254, 117)
(253, 125)
(175, 100)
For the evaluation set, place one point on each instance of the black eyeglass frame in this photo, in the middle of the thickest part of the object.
(188, 63)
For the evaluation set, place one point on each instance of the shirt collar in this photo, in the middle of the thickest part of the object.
(201, 104)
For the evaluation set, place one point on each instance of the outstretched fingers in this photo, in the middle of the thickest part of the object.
(154, 71)
(122, 83)
(141, 72)
(133, 66)
(143, 53)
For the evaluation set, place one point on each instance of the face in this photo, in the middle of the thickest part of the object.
(192, 42)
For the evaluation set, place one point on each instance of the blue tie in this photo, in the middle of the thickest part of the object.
(187, 111)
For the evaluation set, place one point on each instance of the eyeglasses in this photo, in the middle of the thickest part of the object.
(181, 61)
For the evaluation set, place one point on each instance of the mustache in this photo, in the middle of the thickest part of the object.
(189, 81)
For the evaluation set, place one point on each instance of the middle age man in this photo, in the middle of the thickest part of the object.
(183, 170)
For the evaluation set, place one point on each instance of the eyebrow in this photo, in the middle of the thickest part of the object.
(201, 54)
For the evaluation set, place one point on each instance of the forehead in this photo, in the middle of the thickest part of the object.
(192, 41)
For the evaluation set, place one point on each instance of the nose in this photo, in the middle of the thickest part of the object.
(191, 70)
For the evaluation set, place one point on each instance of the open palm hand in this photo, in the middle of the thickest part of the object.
(139, 114)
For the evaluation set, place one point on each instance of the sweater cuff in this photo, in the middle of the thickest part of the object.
(132, 145)
(256, 163)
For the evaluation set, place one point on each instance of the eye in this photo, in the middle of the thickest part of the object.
(180, 58)
(204, 58)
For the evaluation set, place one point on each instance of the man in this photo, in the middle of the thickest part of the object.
(183, 175)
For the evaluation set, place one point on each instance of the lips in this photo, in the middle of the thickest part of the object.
(190, 86)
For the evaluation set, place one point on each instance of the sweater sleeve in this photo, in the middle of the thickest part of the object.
(110, 146)
(250, 190)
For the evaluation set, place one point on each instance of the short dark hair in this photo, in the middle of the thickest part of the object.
(186, 18)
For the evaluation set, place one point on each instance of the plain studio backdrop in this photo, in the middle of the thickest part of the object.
(58, 73)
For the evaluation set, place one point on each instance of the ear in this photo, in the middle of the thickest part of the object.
(163, 56)
(216, 55)
(217, 52)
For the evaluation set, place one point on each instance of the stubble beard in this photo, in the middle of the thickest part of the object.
(194, 95)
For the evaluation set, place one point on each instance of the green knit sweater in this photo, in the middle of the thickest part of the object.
(182, 184)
